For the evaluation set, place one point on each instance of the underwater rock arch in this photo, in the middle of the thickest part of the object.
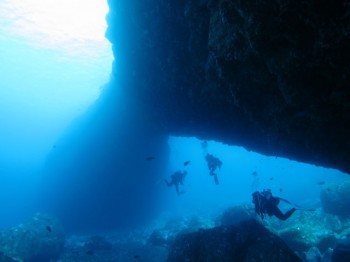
(271, 76)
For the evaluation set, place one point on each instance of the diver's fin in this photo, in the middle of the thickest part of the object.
(216, 180)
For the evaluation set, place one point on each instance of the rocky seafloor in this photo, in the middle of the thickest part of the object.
(236, 234)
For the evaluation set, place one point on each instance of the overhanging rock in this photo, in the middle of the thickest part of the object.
(272, 76)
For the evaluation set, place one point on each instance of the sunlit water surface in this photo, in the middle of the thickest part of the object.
(55, 60)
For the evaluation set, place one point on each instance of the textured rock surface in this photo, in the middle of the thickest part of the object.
(269, 75)
(237, 214)
(101, 249)
(341, 251)
(39, 239)
(247, 241)
(335, 199)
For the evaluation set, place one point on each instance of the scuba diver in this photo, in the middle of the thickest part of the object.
(176, 179)
(213, 163)
(266, 203)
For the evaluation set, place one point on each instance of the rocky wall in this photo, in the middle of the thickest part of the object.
(269, 75)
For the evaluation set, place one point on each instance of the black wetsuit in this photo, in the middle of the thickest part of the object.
(213, 163)
(176, 179)
(269, 206)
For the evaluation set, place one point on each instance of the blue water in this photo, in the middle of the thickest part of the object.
(43, 93)
(288, 179)
(47, 81)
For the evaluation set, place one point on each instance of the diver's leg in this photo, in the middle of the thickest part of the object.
(177, 188)
(216, 179)
(167, 183)
(212, 171)
(289, 213)
(278, 213)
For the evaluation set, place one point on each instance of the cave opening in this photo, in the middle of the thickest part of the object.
(242, 172)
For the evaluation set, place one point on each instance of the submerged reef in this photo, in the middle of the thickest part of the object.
(41, 238)
(310, 229)
(306, 236)
(271, 76)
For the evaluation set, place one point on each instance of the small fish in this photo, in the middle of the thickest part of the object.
(321, 183)
(150, 158)
(90, 252)
(136, 257)
(271, 178)
(54, 147)
(254, 173)
(187, 162)
(281, 190)
(48, 228)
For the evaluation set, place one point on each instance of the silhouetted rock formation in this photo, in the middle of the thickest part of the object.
(341, 251)
(247, 241)
(335, 198)
(271, 76)
(237, 214)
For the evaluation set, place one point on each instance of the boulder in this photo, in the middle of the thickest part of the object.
(246, 241)
(237, 214)
(341, 251)
(97, 243)
(296, 239)
(313, 255)
(157, 239)
(335, 198)
(305, 230)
